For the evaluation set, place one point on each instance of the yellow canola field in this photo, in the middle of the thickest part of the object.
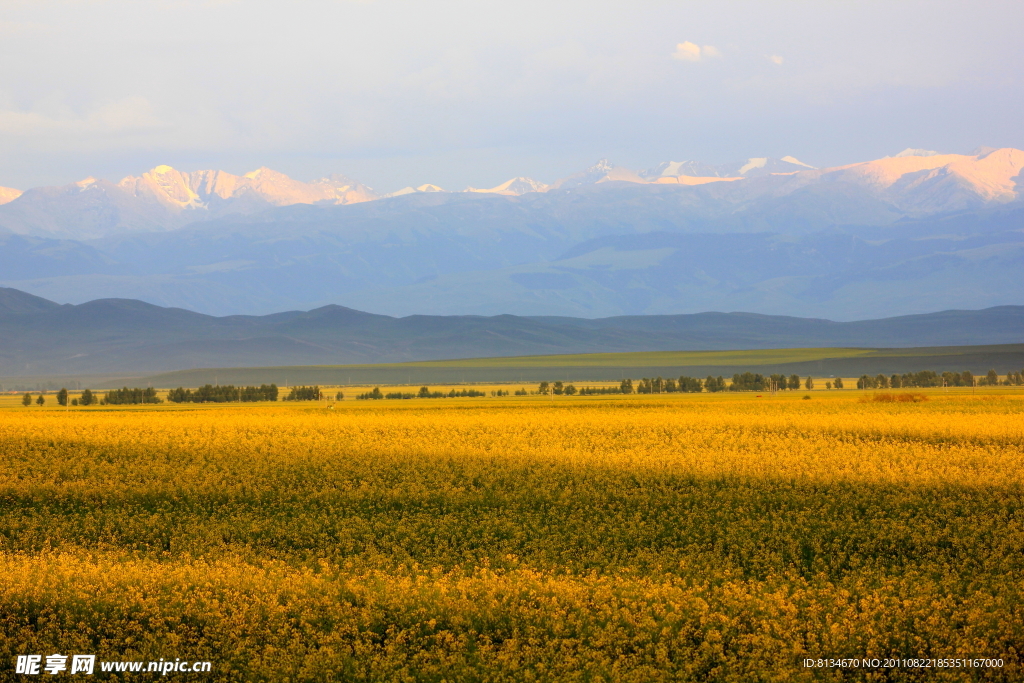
(653, 538)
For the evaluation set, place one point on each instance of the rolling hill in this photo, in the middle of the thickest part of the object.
(39, 337)
(605, 367)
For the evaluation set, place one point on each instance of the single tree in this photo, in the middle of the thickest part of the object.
(627, 386)
(839, 382)
(41, 400)
(87, 398)
(62, 397)
(828, 385)
(542, 388)
(992, 378)
(809, 384)
(26, 400)
(794, 382)
(557, 389)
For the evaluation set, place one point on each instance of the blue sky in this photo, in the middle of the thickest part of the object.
(396, 92)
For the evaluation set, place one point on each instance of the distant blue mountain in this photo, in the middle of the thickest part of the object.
(895, 236)
(40, 337)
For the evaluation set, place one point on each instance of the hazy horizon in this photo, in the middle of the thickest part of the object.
(457, 93)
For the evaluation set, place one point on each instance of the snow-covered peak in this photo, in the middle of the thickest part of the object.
(794, 160)
(264, 172)
(9, 194)
(514, 187)
(675, 169)
(414, 190)
(909, 152)
(757, 162)
(340, 189)
(601, 172)
(168, 185)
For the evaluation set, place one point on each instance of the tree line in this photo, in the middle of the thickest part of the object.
(927, 378)
(312, 393)
(424, 392)
(646, 385)
(228, 393)
(752, 381)
(746, 381)
(126, 396)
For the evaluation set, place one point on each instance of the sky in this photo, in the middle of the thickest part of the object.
(398, 92)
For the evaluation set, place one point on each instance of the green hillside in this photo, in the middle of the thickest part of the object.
(643, 359)
(820, 362)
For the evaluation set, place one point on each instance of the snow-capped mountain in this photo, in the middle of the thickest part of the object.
(8, 194)
(920, 185)
(914, 182)
(413, 190)
(672, 169)
(910, 152)
(164, 198)
(750, 168)
(904, 233)
(339, 189)
(514, 187)
(179, 190)
(601, 172)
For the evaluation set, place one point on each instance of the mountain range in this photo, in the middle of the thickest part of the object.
(165, 198)
(915, 232)
(41, 337)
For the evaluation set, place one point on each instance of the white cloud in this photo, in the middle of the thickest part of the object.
(775, 59)
(688, 52)
(691, 52)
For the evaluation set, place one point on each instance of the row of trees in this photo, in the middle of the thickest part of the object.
(556, 388)
(746, 381)
(927, 378)
(126, 396)
(659, 385)
(751, 381)
(115, 397)
(312, 393)
(228, 393)
(86, 399)
(425, 392)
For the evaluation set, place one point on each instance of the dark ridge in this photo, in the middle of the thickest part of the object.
(39, 337)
